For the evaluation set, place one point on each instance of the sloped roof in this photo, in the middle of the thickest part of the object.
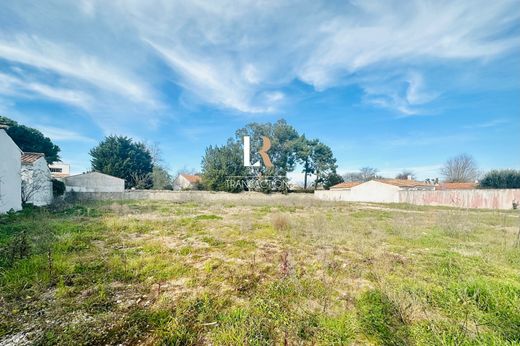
(403, 182)
(30, 158)
(346, 185)
(193, 179)
(91, 173)
(395, 182)
(456, 186)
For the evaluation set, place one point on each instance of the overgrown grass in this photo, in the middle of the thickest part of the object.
(151, 272)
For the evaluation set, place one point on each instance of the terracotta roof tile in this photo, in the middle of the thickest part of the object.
(30, 158)
(193, 179)
(403, 182)
(346, 185)
(456, 186)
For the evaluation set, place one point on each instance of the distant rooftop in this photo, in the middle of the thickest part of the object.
(193, 179)
(396, 182)
(456, 186)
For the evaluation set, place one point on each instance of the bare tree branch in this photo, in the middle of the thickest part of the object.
(460, 169)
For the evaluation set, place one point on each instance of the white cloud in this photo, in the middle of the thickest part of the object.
(405, 93)
(60, 134)
(239, 55)
(68, 62)
(26, 88)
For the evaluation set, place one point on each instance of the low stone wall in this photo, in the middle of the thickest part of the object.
(488, 199)
(478, 198)
(334, 195)
(195, 196)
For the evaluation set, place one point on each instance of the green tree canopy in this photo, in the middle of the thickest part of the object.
(219, 164)
(287, 149)
(29, 139)
(304, 149)
(120, 157)
(162, 180)
(501, 179)
(284, 139)
(317, 158)
(324, 163)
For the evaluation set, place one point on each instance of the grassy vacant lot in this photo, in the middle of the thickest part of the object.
(186, 273)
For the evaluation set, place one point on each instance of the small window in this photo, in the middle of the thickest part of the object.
(56, 170)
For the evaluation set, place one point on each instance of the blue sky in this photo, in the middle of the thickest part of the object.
(387, 84)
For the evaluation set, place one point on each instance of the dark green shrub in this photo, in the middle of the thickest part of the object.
(501, 179)
(58, 187)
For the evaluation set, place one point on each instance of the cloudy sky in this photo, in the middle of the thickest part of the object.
(388, 84)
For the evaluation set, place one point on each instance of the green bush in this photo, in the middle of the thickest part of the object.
(501, 179)
(58, 187)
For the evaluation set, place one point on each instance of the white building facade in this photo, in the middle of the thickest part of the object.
(10, 181)
(36, 180)
(186, 182)
(59, 169)
(377, 191)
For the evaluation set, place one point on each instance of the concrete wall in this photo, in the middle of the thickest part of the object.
(374, 191)
(37, 183)
(333, 195)
(94, 182)
(10, 180)
(196, 196)
(477, 198)
(371, 191)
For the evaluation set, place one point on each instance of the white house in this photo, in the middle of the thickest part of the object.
(93, 182)
(10, 181)
(381, 190)
(186, 182)
(36, 180)
(59, 169)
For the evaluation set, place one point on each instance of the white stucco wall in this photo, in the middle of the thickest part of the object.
(94, 182)
(181, 183)
(374, 191)
(10, 181)
(371, 191)
(37, 183)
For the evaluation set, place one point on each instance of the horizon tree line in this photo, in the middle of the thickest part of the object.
(142, 166)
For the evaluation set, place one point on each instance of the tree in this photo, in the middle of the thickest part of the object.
(501, 179)
(282, 153)
(31, 140)
(121, 157)
(460, 169)
(405, 174)
(323, 161)
(368, 173)
(352, 177)
(331, 180)
(221, 164)
(162, 180)
(303, 149)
